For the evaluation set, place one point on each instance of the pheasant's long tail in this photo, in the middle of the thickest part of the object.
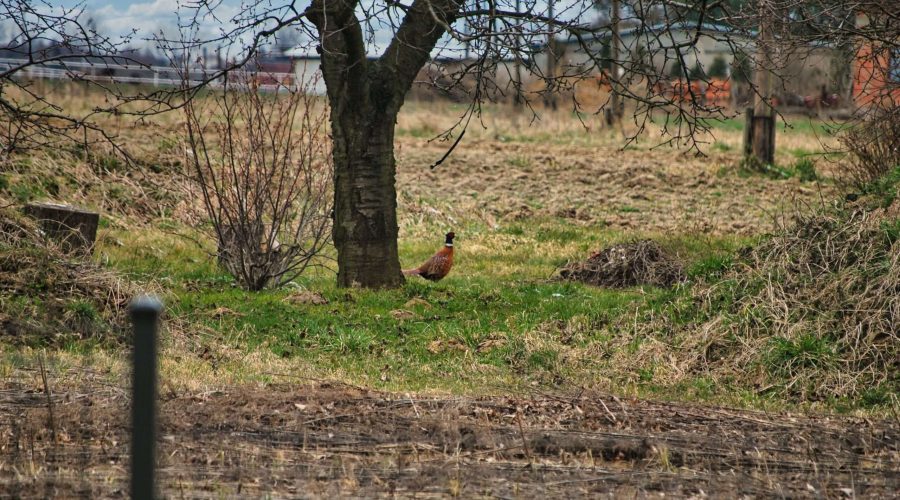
(411, 272)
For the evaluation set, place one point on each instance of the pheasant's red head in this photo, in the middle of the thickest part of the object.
(450, 236)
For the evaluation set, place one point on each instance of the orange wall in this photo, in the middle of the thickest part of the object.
(871, 81)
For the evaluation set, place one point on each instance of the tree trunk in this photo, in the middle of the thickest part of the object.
(365, 200)
(763, 133)
(616, 114)
(552, 62)
(365, 96)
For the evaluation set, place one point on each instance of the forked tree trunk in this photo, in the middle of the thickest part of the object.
(365, 96)
(365, 201)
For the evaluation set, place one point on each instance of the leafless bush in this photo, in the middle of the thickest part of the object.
(262, 163)
(874, 147)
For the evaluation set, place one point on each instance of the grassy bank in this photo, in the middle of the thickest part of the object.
(523, 202)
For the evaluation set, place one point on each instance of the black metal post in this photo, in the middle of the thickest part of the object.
(145, 311)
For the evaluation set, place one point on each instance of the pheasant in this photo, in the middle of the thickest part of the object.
(438, 265)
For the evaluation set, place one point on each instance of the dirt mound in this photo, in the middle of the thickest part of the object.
(50, 297)
(641, 262)
(825, 297)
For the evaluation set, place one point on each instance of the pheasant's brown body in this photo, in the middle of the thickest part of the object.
(438, 265)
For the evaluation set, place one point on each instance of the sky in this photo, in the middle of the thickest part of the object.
(120, 17)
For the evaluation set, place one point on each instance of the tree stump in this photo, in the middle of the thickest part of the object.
(74, 229)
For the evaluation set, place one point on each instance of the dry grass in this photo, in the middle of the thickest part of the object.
(625, 265)
(799, 319)
(524, 196)
(49, 297)
(327, 439)
(810, 314)
(874, 148)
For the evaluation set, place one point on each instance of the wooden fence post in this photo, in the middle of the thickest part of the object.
(145, 312)
(764, 138)
(748, 132)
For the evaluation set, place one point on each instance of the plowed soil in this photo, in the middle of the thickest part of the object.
(321, 440)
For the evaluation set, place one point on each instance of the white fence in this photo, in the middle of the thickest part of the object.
(157, 76)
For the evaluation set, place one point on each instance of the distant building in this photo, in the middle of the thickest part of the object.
(801, 71)
(437, 74)
(876, 72)
(305, 64)
(657, 43)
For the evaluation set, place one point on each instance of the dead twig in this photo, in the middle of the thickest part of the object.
(49, 398)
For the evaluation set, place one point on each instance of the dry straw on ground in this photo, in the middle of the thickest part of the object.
(333, 440)
(812, 313)
(641, 262)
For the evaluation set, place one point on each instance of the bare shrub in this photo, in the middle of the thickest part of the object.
(874, 147)
(262, 163)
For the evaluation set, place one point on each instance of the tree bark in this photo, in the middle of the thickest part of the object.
(365, 201)
(616, 115)
(552, 62)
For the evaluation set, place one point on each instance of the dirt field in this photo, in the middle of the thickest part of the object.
(334, 440)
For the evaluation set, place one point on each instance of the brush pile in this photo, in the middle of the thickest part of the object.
(48, 297)
(641, 262)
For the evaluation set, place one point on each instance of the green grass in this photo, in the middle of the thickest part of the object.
(807, 351)
(794, 125)
(357, 332)
(521, 162)
(496, 321)
(803, 169)
(802, 152)
(424, 131)
(884, 190)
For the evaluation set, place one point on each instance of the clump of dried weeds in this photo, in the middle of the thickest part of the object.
(48, 296)
(811, 313)
(640, 262)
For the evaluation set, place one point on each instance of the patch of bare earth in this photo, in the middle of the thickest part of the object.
(645, 190)
(325, 440)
